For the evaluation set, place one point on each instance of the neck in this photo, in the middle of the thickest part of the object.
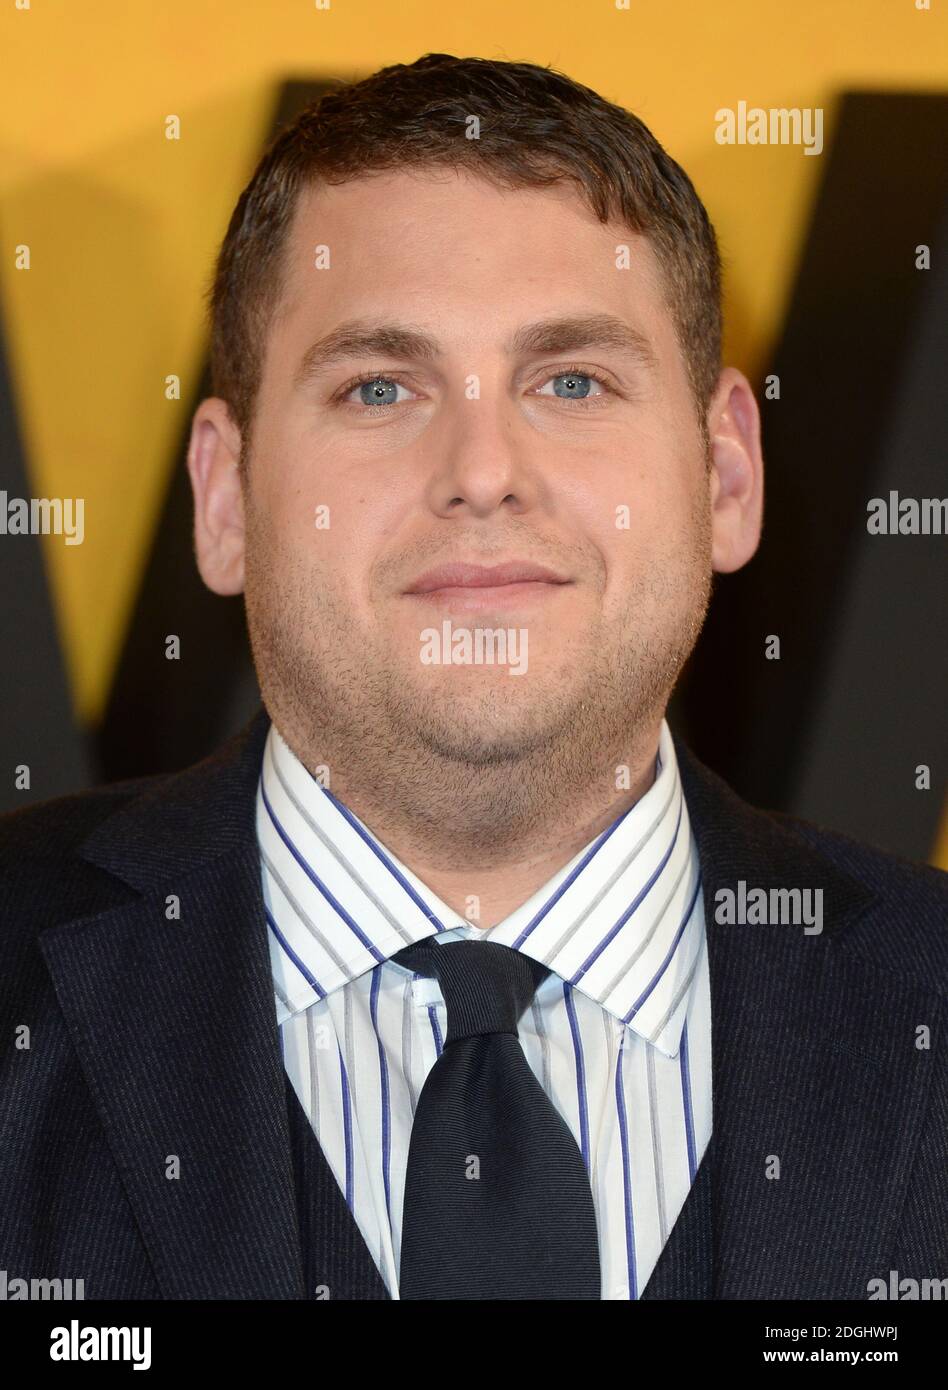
(484, 892)
(485, 839)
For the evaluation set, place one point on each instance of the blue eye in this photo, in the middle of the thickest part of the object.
(572, 386)
(379, 390)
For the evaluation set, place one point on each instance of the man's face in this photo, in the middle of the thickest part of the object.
(573, 452)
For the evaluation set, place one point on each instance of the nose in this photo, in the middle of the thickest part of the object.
(484, 463)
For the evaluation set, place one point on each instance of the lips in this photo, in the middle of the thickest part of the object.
(465, 576)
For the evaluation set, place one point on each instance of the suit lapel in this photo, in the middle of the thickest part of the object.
(335, 1255)
(174, 1024)
(684, 1269)
(807, 1037)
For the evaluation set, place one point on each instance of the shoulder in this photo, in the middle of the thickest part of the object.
(50, 830)
(895, 909)
(722, 816)
(44, 878)
(902, 929)
(75, 855)
(877, 869)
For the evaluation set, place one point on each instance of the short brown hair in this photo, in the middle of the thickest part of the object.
(536, 127)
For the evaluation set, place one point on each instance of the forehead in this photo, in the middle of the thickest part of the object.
(471, 259)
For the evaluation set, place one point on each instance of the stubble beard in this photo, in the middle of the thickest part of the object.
(490, 768)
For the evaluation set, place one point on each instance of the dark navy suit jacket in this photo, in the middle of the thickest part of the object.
(152, 1037)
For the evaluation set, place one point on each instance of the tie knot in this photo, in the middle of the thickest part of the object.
(486, 986)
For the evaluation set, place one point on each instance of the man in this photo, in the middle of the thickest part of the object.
(455, 975)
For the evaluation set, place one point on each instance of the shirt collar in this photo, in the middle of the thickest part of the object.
(622, 922)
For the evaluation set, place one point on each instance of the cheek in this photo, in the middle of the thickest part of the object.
(313, 541)
(652, 549)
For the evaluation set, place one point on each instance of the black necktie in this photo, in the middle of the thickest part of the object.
(497, 1198)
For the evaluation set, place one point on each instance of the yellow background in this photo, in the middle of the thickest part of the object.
(123, 224)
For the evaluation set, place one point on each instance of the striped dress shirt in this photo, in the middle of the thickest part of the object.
(618, 1034)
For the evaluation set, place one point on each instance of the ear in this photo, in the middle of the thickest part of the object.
(737, 472)
(213, 455)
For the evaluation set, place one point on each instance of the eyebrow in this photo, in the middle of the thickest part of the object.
(376, 338)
